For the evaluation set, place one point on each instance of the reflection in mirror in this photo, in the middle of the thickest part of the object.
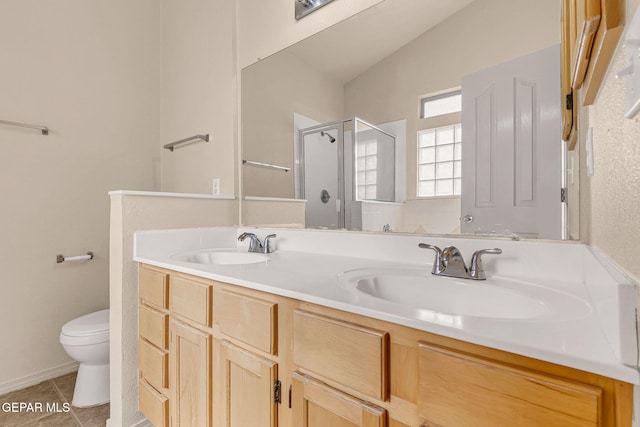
(378, 66)
(351, 159)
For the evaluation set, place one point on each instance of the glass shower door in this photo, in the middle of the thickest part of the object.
(322, 180)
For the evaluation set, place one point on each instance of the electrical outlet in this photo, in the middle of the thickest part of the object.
(216, 186)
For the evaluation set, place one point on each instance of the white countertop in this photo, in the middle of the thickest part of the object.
(307, 263)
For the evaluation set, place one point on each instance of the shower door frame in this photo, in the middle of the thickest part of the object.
(300, 168)
(346, 182)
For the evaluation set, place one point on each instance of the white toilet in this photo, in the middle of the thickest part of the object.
(86, 340)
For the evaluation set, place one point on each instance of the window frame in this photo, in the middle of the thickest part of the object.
(435, 97)
(455, 128)
(444, 120)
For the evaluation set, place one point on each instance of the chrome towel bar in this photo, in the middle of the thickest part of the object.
(43, 129)
(204, 138)
(266, 165)
(62, 258)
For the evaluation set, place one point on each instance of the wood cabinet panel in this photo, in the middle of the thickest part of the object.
(250, 320)
(568, 37)
(191, 299)
(604, 46)
(153, 287)
(153, 365)
(154, 327)
(190, 376)
(246, 382)
(317, 405)
(458, 389)
(587, 18)
(352, 370)
(153, 404)
(349, 354)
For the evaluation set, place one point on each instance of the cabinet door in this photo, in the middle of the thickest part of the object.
(587, 17)
(244, 388)
(460, 389)
(190, 376)
(317, 405)
(568, 37)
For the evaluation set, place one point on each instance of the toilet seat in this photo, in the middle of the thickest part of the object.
(90, 329)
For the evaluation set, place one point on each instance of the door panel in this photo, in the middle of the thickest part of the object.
(246, 382)
(512, 151)
(317, 405)
(190, 376)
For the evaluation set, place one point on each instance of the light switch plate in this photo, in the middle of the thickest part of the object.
(216, 186)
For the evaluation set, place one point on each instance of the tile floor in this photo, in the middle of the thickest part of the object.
(55, 392)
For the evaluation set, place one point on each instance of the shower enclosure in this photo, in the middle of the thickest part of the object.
(339, 164)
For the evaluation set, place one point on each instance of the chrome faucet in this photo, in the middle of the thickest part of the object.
(449, 262)
(255, 245)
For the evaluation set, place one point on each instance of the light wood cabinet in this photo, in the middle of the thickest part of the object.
(153, 344)
(190, 376)
(153, 365)
(191, 300)
(154, 327)
(352, 355)
(153, 287)
(231, 348)
(317, 405)
(458, 389)
(250, 320)
(153, 404)
(590, 30)
(567, 49)
(246, 385)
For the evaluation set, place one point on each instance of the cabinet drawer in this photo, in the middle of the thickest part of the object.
(153, 405)
(153, 364)
(349, 354)
(317, 405)
(191, 300)
(247, 319)
(459, 389)
(154, 326)
(153, 287)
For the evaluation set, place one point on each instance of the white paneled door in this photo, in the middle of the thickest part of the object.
(512, 150)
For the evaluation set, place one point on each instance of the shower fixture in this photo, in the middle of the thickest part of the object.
(331, 139)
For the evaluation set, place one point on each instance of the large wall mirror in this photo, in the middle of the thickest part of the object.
(428, 117)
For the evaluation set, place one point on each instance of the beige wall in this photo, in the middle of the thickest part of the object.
(273, 213)
(485, 33)
(612, 203)
(266, 27)
(199, 95)
(268, 104)
(89, 71)
(131, 213)
(432, 216)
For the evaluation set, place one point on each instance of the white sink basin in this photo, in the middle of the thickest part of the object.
(220, 257)
(493, 298)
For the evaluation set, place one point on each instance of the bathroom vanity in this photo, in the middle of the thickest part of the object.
(298, 338)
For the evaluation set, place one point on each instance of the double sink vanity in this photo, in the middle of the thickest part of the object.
(337, 328)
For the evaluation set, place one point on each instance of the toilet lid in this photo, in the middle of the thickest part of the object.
(89, 324)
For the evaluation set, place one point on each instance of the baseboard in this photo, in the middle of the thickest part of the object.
(142, 423)
(37, 378)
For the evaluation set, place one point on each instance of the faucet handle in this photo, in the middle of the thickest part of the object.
(438, 264)
(476, 269)
(255, 245)
(268, 248)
